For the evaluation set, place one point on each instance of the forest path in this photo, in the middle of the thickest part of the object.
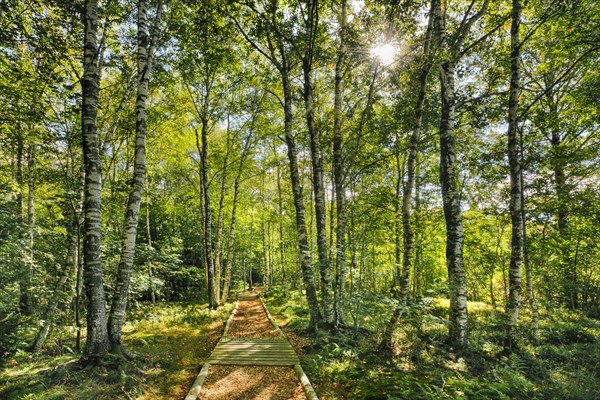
(253, 360)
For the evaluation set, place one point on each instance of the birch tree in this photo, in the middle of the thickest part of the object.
(145, 50)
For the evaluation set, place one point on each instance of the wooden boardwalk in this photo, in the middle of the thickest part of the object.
(255, 351)
(258, 351)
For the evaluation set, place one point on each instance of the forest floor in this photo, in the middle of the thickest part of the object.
(234, 382)
(172, 338)
(561, 362)
(175, 339)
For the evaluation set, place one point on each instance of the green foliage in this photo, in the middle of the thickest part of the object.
(172, 338)
(345, 366)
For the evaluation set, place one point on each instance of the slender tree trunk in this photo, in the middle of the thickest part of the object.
(457, 282)
(232, 224)
(208, 244)
(535, 314)
(408, 235)
(338, 176)
(24, 263)
(219, 226)
(513, 304)
(281, 234)
(59, 290)
(120, 296)
(29, 309)
(305, 259)
(317, 162)
(97, 343)
(407, 231)
(150, 249)
(570, 285)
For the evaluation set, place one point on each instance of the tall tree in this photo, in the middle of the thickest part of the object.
(145, 50)
(279, 53)
(515, 291)
(452, 51)
(97, 343)
(311, 26)
(338, 171)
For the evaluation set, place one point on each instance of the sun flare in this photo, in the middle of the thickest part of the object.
(385, 53)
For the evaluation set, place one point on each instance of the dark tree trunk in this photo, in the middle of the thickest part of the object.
(305, 259)
(317, 162)
(219, 226)
(208, 242)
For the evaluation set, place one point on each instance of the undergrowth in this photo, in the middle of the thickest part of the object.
(173, 340)
(564, 362)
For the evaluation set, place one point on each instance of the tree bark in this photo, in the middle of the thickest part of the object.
(305, 259)
(232, 224)
(150, 249)
(515, 288)
(457, 282)
(284, 282)
(407, 231)
(338, 175)
(24, 263)
(311, 25)
(144, 60)
(219, 225)
(97, 343)
(29, 305)
(208, 243)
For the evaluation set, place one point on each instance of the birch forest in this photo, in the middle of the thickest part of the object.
(412, 186)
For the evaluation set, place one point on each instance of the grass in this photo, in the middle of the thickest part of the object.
(564, 363)
(174, 339)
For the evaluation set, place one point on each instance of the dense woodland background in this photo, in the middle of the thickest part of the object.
(372, 164)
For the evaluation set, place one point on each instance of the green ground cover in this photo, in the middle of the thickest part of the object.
(172, 338)
(564, 362)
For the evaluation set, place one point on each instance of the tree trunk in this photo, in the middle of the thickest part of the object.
(305, 259)
(150, 250)
(97, 343)
(29, 307)
(281, 234)
(570, 290)
(236, 190)
(457, 282)
(407, 232)
(317, 163)
(208, 244)
(57, 295)
(513, 304)
(219, 226)
(120, 296)
(338, 176)
(24, 262)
